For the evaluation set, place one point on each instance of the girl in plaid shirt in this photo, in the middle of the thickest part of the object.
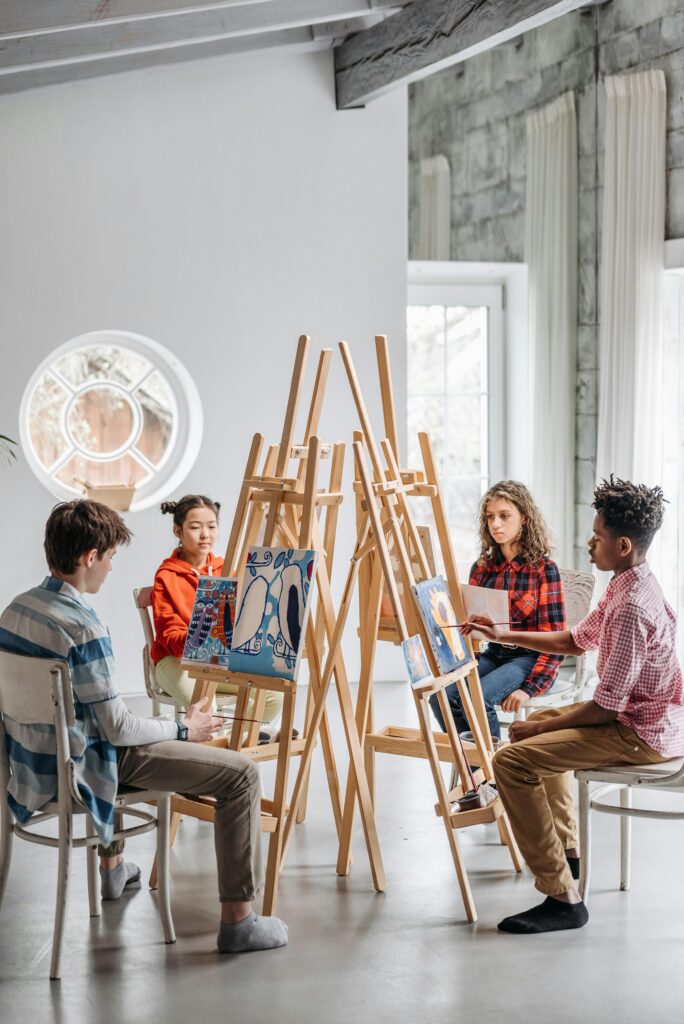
(514, 556)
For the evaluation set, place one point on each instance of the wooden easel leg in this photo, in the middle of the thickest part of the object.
(356, 766)
(308, 715)
(329, 536)
(326, 738)
(275, 845)
(368, 635)
(433, 758)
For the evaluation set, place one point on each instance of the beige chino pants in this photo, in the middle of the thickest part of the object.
(198, 770)
(534, 780)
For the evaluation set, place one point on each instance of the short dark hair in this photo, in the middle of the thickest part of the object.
(179, 509)
(75, 527)
(630, 510)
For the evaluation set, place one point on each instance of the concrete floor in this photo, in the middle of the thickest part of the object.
(354, 955)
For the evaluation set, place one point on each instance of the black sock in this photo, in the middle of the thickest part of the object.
(574, 865)
(550, 916)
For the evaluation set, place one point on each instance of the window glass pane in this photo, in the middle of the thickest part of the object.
(426, 414)
(157, 403)
(425, 358)
(466, 333)
(462, 500)
(124, 470)
(101, 420)
(103, 362)
(45, 421)
(464, 437)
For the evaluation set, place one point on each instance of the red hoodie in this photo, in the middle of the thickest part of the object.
(173, 596)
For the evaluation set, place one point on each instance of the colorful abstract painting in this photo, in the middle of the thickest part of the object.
(442, 626)
(210, 632)
(269, 630)
(416, 661)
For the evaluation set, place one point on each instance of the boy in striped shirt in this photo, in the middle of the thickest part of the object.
(110, 745)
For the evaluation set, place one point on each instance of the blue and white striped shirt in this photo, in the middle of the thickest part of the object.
(53, 621)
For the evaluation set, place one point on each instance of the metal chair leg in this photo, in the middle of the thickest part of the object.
(584, 821)
(625, 839)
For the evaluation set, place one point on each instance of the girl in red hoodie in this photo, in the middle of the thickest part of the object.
(195, 525)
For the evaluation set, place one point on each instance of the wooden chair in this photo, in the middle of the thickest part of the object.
(667, 776)
(38, 691)
(143, 602)
(578, 588)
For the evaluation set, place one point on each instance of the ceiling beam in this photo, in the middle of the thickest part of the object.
(76, 45)
(429, 35)
(27, 17)
(292, 40)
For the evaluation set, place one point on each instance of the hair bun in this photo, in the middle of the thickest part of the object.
(168, 506)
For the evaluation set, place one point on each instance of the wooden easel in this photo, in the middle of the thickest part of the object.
(288, 510)
(385, 524)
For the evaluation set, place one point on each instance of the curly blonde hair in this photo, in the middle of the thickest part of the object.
(535, 541)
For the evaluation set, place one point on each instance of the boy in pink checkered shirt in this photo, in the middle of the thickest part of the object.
(636, 715)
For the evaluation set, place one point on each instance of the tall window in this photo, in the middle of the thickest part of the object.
(455, 393)
(111, 408)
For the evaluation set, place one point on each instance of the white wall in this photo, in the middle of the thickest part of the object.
(222, 208)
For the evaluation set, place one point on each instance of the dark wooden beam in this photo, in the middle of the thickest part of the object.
(429, 35)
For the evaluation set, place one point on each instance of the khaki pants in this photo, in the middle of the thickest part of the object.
(534, 780)
(183, 767)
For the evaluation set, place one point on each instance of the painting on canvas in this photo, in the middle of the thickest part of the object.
(211, 626)
(442, 626)
(416, 661)
(269, 630)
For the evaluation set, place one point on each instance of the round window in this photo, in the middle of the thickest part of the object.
(111, 408)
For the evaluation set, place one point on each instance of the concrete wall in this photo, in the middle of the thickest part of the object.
(475, 114)
(222, 208)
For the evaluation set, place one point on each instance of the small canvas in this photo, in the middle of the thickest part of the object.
(442, 626)
(269, 630)
(210, 632)
(416, 661)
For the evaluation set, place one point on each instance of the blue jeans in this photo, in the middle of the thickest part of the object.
(502, 670)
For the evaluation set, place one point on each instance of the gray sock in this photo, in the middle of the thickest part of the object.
(251, 934)
(113, 881)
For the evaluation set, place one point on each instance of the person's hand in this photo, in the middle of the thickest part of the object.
(523, 730)
(201, 723)
(514, 701)
(483, 624)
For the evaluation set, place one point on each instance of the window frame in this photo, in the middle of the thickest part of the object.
(491, 297)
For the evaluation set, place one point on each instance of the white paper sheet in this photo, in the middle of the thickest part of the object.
(485, 601)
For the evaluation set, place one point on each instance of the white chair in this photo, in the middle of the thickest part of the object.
(143, 602)
(38, 691)
(578, 588)
(667, 776)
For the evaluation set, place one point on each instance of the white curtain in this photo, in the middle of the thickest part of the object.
(551, 256)
(630, 427)
(435, 209)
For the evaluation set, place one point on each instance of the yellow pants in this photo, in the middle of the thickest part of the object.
(176, 682)
(534, 780)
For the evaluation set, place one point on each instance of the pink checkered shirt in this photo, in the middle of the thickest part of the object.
(639, 677)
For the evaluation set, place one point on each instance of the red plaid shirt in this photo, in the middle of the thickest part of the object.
(536, 604)
(639, 677)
